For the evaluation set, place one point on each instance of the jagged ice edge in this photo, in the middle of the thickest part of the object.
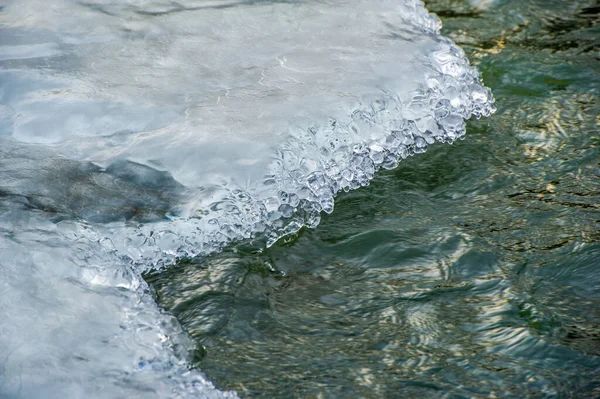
(315, 164)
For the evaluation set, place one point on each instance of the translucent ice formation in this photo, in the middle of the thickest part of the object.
(137, 132)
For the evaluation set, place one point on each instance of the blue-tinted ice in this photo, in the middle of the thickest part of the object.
(136, 132)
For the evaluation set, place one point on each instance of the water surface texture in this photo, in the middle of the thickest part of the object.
(472, 270)
(136, 136)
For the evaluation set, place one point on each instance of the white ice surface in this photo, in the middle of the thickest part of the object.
(134, 132)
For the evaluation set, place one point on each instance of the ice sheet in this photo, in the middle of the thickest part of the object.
(134, 133)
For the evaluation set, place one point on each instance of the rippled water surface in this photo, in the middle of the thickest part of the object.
(151, 150)
(470, 271)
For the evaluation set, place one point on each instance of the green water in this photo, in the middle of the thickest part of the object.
(470, 271)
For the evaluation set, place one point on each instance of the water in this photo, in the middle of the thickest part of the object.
(130, 141)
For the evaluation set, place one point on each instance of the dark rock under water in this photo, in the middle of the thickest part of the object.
(124, 190)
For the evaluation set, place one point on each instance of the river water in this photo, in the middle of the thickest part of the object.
(470, 271)
(152, 150)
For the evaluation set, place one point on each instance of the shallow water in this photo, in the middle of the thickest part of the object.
(131, 139)
(470, 271)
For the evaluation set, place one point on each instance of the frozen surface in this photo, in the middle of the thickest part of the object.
(203, 90)
(133, 133)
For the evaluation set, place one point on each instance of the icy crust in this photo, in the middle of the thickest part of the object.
(319, 161)
(80, 323)
(95, 268)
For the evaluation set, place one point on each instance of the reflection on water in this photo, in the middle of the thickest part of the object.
(472, 271)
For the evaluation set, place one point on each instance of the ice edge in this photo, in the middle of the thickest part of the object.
(318, 162)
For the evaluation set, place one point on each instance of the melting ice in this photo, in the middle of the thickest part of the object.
(133, 133)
